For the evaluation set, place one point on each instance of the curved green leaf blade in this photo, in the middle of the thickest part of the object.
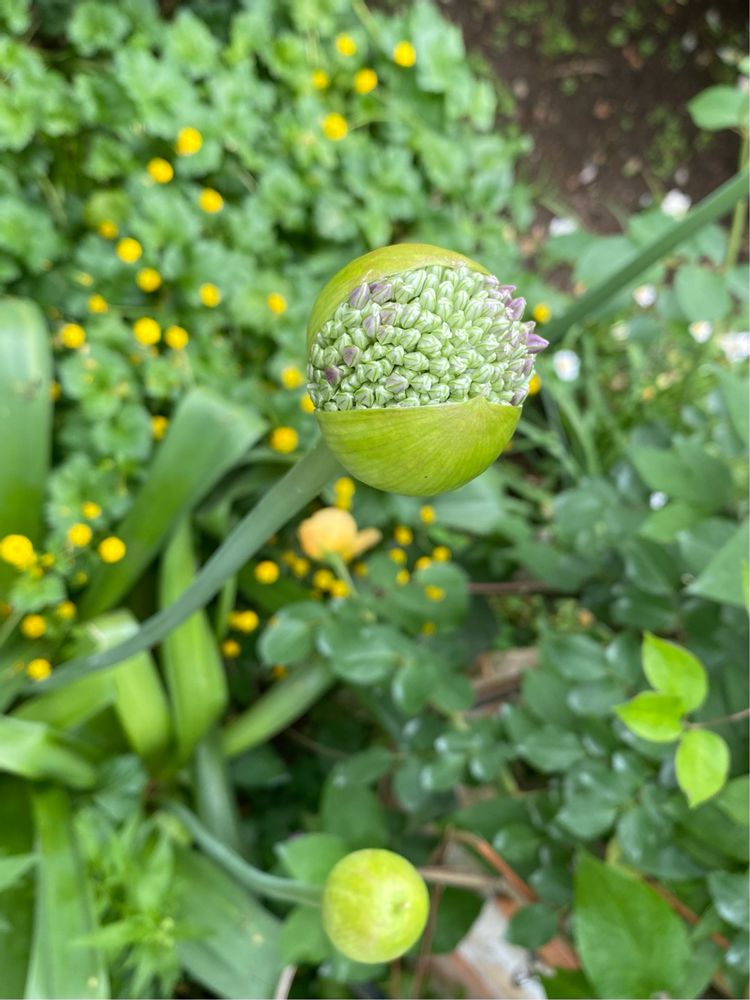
(192, 663)
(206, 437)
(60, 966)
(32, 750)
(26, 419)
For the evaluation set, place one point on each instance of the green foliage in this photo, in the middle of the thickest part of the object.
(319, 707)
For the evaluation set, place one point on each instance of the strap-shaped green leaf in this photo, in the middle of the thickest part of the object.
(33, 750)
(60, 966)
(26, 416)
(206, 437)
(300, 485)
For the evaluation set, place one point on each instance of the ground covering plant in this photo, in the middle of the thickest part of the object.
(174, 192)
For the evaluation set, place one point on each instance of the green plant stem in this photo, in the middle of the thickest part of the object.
(300, 485)
(711, 208)
(285, 890)
(278, 708)
(738, 218)
(214, 792)
(734, 717)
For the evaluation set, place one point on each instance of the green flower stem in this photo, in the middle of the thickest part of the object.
(278, 708)
(285, 890)
(738, 219)
(711, 208)
(285, 499)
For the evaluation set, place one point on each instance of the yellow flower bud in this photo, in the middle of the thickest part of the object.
(284, 440)
(276, 303)
(111, 549)
(72, 336)
(210, 201)
(334, 126)
(98, 304)
(18, 551)
(404, 54)
(129, 250)
(33, 626)
(38, 669)
(345, 45)
(209, 295)
(148, 279)
(79, 535)
(160, 170)
(267, 572)
(365, 81)
(176, 337)
(189, 141)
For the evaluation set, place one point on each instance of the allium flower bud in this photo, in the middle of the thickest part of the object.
(418, 362)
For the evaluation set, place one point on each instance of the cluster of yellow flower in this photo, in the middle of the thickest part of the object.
(334, 125)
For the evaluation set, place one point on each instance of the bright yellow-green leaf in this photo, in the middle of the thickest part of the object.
(653, 716)
(701, 764)
(673, 670)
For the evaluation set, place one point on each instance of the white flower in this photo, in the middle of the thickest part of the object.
(676, 204)
(620, 331)
(701, 331)
(736, 346)
(645, 295)
(562, 227)
(567, 365)
(657, 500)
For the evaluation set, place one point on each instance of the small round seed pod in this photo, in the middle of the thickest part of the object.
(418, 362)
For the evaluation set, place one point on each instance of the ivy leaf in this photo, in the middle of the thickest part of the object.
(673, 670)
(653, 716)
(701, 764)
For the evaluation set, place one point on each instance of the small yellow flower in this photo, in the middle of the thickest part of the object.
(585, 618)
(176, 337)
(39, 669)
(266, 572)
(288, 557)
(433, 593)
(46, 560)
(535, 384)
(398, 556)
(284, 440)
(98, 304)
(291, 377)
(33, 626)
(18, 551)
(107, 229)
(334, 126)
(345, 45)
(276, 303)
(427, 514)
(244, 621)
(320, 79)
(340, 588)
(279, 672)
(90, 510)
(129, 250)
(365, 81)
(66, 610)
(404, 54)
(300, 567)
(159, 426)
(333, 532)
(402, 577)
(148, 279)
(160, 170)
(403, 535)
(80, 578)
(360, 569)
(344, 486)
(189, 141)
(79, 534)
(231, 649)
(541, 313)
(111, 549)
(428, 628)
(648, 394)
(441, 553)
(54, 391)
(210, 201)
(209, 294)
(423, 562)
(323, 579)
(147, 331)
(72, 336)
(306, 404)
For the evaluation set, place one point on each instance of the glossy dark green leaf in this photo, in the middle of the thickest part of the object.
(532, 926)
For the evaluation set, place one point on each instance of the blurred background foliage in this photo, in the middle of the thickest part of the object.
(175, 187)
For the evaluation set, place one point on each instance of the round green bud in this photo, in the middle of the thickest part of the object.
(418, 362)
(375, 906)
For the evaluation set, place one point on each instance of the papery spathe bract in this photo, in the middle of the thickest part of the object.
(418, 361)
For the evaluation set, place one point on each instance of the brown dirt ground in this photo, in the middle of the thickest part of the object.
(624, 124)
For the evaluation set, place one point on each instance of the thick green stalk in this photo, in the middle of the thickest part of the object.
(711, 208)
(277, 708)
(285, 499)
(738, 218)
(271, 886)
(214, 792)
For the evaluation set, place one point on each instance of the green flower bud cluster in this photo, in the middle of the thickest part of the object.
(431, 335)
